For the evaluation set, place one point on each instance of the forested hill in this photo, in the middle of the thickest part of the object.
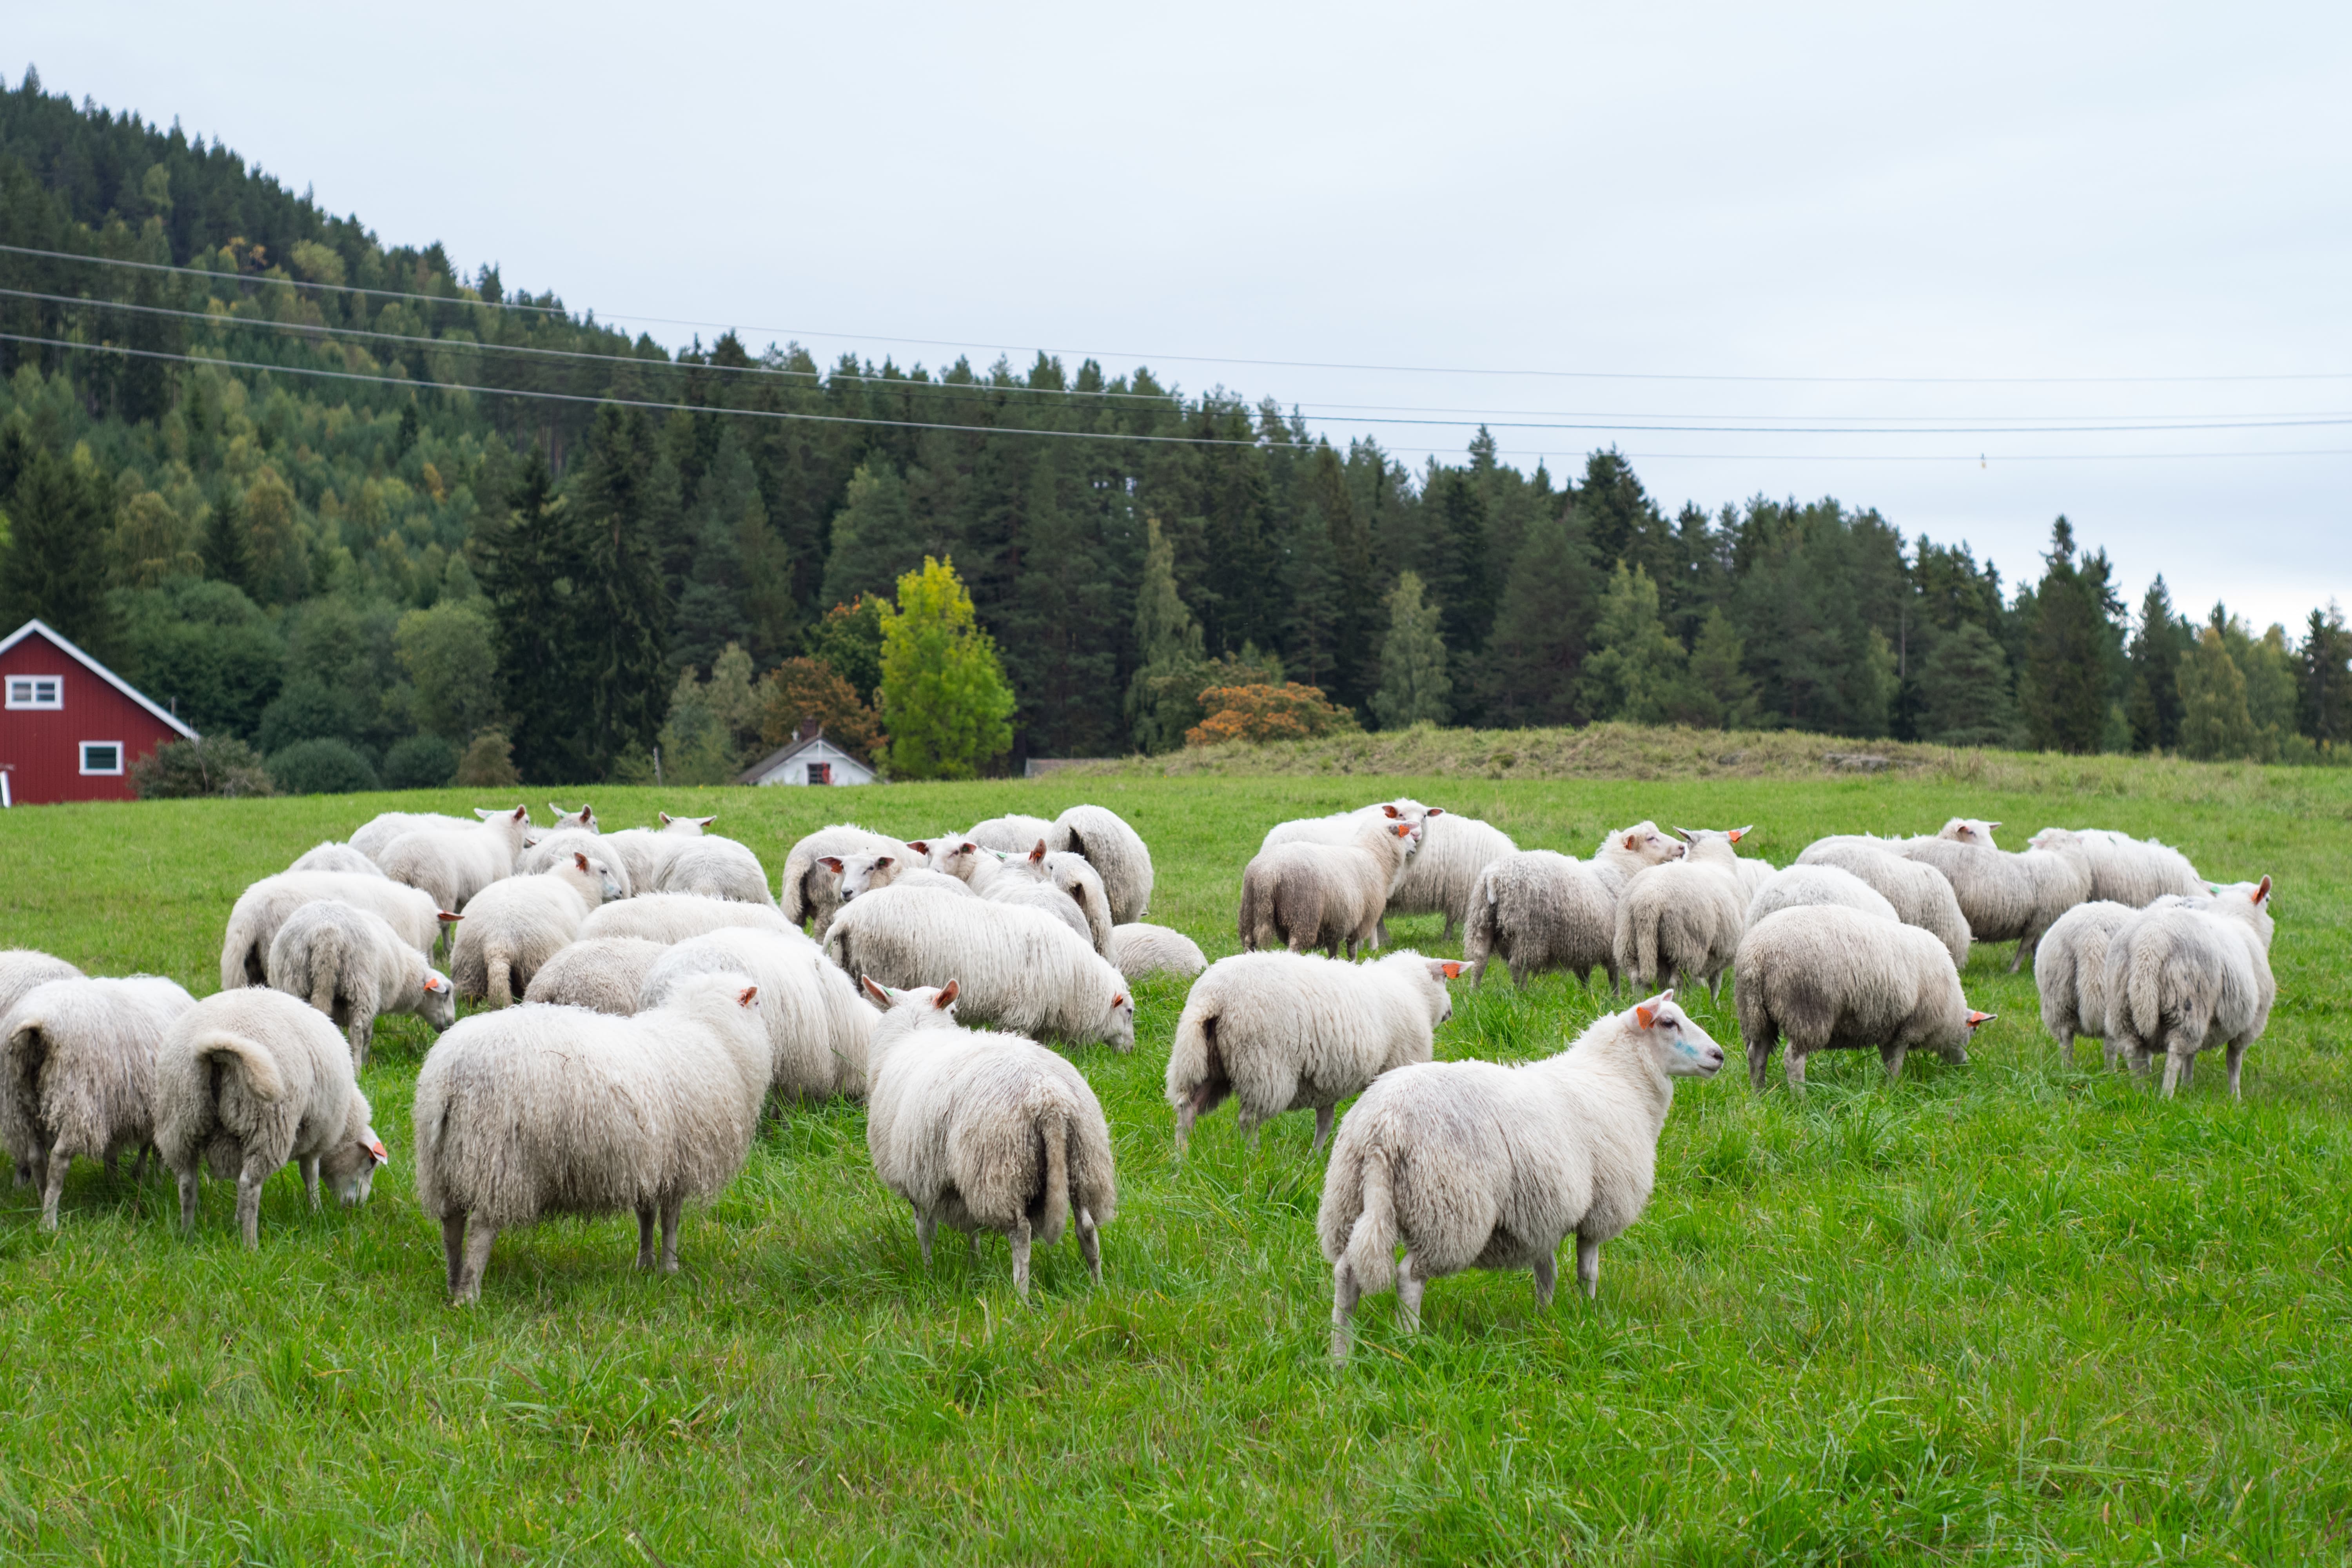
(331, 485)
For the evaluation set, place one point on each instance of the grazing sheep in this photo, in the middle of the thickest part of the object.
(1011, 835)
(340, 857)
(376, 835)
(548, 1111)
(78, 1075)
(985, 1132)
(352, 966)
(1443, 875)
(1834, 978)
(1101, 837)
(810, 892)
(668, 917)
(2190, 977)
(1802, 885)
(2070, 970)
(1922, 896)
(1021, 969)
(1291, 1031)
(262, 908)
(1029, 893)
(715, 867)
(22, 968)
(817, 1020)
(2134, 872)
(2006, 897)
(1140, 949)
(454, 864)
(557, 843)
(604, 974)
(250, 1079)
(518, 924)
(1541, 911)
(1476, 1166)
(647, 852)
(1302, 894)
(1684, 918)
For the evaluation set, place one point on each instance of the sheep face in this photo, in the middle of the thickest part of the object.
(350, 1167)
(1677, 1045)
(1119, 1029)
(1972, 830)
(1645, 843)
(862, 873)
(1443, 970)
(932, 1006)
(440, 1008)
(600, 876)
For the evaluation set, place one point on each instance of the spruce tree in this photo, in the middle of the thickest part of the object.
(528, 565)
(2068, 683)
(2323, 700)
(58, 510)
(2153, 703)
(1311, 643)
(1414, 687)
(617, 631)
(1716, 692)
(226, 557)
(944, 698)
(1460, 573)
(1965, 691)
(873, 534)
(1163, 700)
(2214, 720)
(1537, 653)
(1634, 672)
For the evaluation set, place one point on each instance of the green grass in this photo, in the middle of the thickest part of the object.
(2014, 1311)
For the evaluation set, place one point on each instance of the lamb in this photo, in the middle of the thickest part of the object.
(817, 1021)
(1805, 885)
(2070, 970)
(377, 834)
(1834, 978)
(1020, 970)
(78, 1075)
(262, 908)
(557, 843)
(604, 974)
(985, 1132)
(1101, 837)
(1302, 895)
(2192, 976)
(1542, 910)
(250, 1079)
(1290, 1031)
(338, 857)
(1013, 834)
(562, 1110)
(520, 924)
(1472, 1164)
(2134, 872)
(2005, 896)
(669, 918)
(809, 891)
(22, 968)
(454, 864)
(1140, 949)
(352, 966)
(1684, 918)
(1922, 896)
(715, 867)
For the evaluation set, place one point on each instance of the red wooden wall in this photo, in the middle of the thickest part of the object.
(41, 748)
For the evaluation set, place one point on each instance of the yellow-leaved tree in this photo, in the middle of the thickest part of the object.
(943, 697)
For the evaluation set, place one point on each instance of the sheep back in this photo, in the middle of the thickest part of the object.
(77, 1065)
(1018, 968)
(1117, 852)
(670, 918)
(1921, 895)
(1140, 949)
(604, 974)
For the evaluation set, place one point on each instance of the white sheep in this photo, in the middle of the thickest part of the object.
(556, 843)
(333, 857)
(546, 1110)
(1539, 910)
(1020, 968)
(2006, 897)
(2190, 975)
(1078, 883)
(1922, 896)
(817, 1022)
(1140, 949)
(1102, 838)
(716, 867)
(22, 968)
(1682, 919)
(647, 852)
(810, 892)
(2135, 872)
(1304, 894)
(985, 1132)
(1011, 835)
(1008, 879)
(78, 1075)
(867, 873)
(454, 864)
(2070, 971)
(520, 924)
(1341, 827)
(1834, 978)
(249, 1080)
(669, 918)
(1473, 1164)
(262, 908)
(1291, 1031)
(352, 966)
(604, 974)
(1797, 885)
(377, 834)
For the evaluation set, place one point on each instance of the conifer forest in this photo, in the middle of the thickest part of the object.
(388, 520)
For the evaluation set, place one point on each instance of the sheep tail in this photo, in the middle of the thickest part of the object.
(2142, 1001)
(21, 1055)
(498, 980)
(1252, 913)
(1479, 930)
(260, 1067)
(1054, 1127)
(1645, 951)
(1193, 1059)
(1370, 1256)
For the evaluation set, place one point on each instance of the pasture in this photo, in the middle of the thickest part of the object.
(2016, 1311)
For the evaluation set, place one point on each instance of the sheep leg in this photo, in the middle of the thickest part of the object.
(478, 1263)
(2025, 946)
(311, 1180)
(1547, 1276)
(1759, 1056)
(453, 1246)
(670, 1213)
(1322, 1128)
(1410, 1285)
(1588, 1266)
(53, 1187)
(106, 1166)
(1184, 1114)
(249, 1201)
(1795, 1067)
(925, 1228)
(2065, 1037)
(1090, 1243)
(1893, 1057)
(362, 1035)
(188, 1199)
(1345, 1294)
(646, 1237)
(1018, 1239)
(2237, 1054)
(1447, 934)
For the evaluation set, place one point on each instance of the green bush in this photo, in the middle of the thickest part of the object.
(212, 764)
(322, 767)
(420, 762)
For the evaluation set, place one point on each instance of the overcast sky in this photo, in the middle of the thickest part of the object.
(2015, 199)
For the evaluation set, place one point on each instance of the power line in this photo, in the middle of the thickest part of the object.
(797, 333)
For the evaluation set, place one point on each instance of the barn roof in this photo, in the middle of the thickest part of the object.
(116, 681)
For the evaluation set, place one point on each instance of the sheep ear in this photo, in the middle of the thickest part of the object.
(948, 992)
(519, 813)
(665, 817)
(1119, 999)
(1646, 1013)
(447, 918)
(2262, 892)
(434, 983)
(882, 860)
(1738, 834)
(745, 997)
(376, 1147)
(1990, 825)
(1445, 968)
(1683, 834)
(1039, 853)
(1633, 841)
(1435, 811)
(919, 846)
(880, 993)
(831, 863)
(1978, 1019)
(1391, 811)
(581, 858)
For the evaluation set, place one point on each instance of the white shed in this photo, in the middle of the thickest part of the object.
(813, 759)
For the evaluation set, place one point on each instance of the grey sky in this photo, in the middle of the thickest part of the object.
(1864, 191)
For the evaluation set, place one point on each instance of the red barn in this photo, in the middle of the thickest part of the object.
(71, 728)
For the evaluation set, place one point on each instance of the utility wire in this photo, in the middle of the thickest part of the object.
(795, 332)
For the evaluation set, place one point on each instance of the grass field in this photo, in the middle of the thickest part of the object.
(2016, 1311)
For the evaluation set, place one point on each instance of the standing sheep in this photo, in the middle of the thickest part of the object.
(1472, 1164)
(1922, 896)
(2190, 977)
(78, 1075)
(1444, 872)
(548, 1111)
(352, 966)
(1077, 880)
(1140, 949)
(1684, 918)
(1011, 835)
(817, 1021)
(1540, 910)
(1799, 886)
(1291, 1031)
(2070, 971)
(985, 1132)
(22, 968)
(669, 918)
(340, 857)
(715, 867)
(1301, 895)
(376, 835)
(2134, 872)
(604, 974)
(518, 924)
(1020, 970)
(454, 864)
(2006, 897)
(647, 852)
(1102, 838)
(809, 891)
(262, 908)
(250, 1079)
(1832, 978)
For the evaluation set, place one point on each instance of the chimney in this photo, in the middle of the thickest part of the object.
(809, 731)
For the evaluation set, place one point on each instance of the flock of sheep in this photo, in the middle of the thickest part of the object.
(643, 994)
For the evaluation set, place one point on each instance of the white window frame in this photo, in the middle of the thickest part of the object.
(88, 772)
(32, 684)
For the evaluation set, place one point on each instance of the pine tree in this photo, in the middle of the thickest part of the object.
(1163, 700)
(2153, 704)
(2070, 651)
(1716, 692)
(619, 622)
(1964, 691)
(1634, 672)
(944, 693)
(2214, 722)
(226, 557)
(54, 567)
(873, 535)
(2323, 703)
(1537, 653)
(1414, 688)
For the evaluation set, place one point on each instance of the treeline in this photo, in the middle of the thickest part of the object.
(298, 541)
